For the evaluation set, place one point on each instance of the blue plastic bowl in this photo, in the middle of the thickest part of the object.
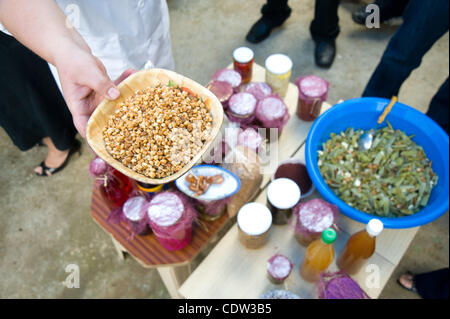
(363, 113)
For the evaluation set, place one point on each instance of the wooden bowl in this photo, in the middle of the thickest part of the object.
(138, 81)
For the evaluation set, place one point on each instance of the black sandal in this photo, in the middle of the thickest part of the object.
(48, 171)
(413, 288)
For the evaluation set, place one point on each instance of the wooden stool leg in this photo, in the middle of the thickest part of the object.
(173, 278)
(119, 248)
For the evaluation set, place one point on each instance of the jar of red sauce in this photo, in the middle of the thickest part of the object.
(115, 188)
(243, 59)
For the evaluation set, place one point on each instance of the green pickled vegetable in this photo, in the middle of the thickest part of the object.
(392, 179)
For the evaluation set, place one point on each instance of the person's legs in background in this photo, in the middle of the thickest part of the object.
(32, 107)
(388, 9)
(439, 106)
(430, 285)
(408, 45)
(324, 31)
(274, 13)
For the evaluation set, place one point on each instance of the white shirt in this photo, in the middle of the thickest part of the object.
(122, 33)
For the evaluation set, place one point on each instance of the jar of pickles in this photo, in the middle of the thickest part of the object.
(278, 73)
(243, 59)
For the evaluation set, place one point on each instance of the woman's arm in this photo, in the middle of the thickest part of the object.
(41, 26)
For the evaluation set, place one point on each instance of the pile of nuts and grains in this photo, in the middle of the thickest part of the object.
(158, 130)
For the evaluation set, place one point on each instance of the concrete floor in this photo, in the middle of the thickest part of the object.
(45, 221)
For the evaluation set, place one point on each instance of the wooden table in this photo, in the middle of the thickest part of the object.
(173, 266)
(232, 271)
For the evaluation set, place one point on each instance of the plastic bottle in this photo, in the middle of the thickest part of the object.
(360, 247)
(318, 256)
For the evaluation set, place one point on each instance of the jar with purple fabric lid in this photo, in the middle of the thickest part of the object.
(259, 90)
(170, 216)
(279, 267)
(134, 213)
(250, 138)
(312, 92)
(230, 76)
(222, 90)
(241, 108)
(312, 218)
(272, 112)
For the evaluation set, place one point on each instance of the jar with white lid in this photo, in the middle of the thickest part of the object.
(282, 196)
(243, 58)
(254, 221)
(278, 73)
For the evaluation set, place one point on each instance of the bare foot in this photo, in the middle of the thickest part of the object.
(55, 157)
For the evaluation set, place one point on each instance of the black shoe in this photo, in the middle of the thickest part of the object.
(48, 171)
(324, 53)
(262, 29)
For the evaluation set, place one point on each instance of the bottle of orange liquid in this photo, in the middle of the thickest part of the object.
(318, 256)
(359, 247)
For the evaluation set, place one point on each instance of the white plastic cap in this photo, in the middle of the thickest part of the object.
(374, 227)
(254, 219)
(278, 63)
(283, 193)
(243, 55)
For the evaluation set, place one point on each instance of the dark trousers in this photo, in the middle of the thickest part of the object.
(325, 23)
(424, 23)
(433, 285)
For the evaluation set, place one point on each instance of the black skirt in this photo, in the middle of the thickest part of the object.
(31, 104)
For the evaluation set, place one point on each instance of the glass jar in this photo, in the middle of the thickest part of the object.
(243, 59)
(295, 169)
(278, 73)
(241, 108)
(115, 188)
(170, 220)
(279, 268)
(282, 195)
(312, 218)
(312, 92)
(254, 221)
(149, 190)
(134, 213)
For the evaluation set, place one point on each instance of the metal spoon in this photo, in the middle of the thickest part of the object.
(366, 140)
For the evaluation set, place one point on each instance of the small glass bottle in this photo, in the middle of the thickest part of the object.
(243, 59)
(319, 255)
(359, 247)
